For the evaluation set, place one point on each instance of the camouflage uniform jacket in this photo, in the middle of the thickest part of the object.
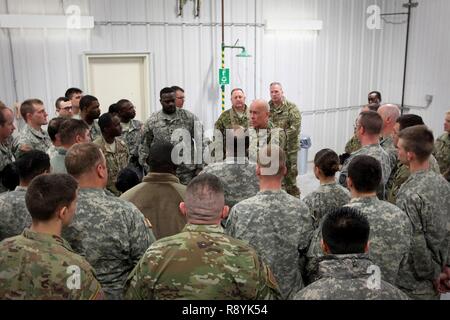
(94, 130)
(387, 144)
(279, 227)
(57, 161)
(390, 236)
(377, 152)
(111, 234)
(37, 140)
(349, 277)
(38, 266)
(14, 216)
(425, 197)
(400, 174)
(238, 176)
(258, 138)
(442, 153)
(6, 157)
(230, 118)
(326, 198)
(203, 263)
(115, 161)
(352, 145)
(132, 138)
(160, 127)
(288, 118)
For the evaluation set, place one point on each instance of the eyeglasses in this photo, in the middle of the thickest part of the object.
(67, 108)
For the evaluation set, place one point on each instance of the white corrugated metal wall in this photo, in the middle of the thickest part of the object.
(322, 74)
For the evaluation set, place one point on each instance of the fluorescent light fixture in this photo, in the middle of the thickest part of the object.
(294, 25)
(44, 21)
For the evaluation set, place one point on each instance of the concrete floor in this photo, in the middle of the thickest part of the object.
(308, 183)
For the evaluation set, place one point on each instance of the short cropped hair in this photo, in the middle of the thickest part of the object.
(59, 100)
(161, 157)
(48, 193)
(71, 91)
(81, 158)
(3, 108)
(86, 101)
(70, 129)
(114, 108)
(346, 231)
(371, 121)
(266, 160)
(236, 89)
(377, 93)
(31, 164)
(166, 90)
(28, 107)
(121, 103)
(9, 176)
(409, 120)
(127, 179)
(177, 88)
(419, 140)
(105, 121)
(327, 161)
(54, 126)
(204, 197)
(365, 172)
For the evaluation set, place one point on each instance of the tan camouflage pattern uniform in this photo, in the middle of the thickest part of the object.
(442, 154)
(425, 197)
(35, 266)
(14, 216)
(353, 145)
(202, 263)
(347, 277)
(279, 226)
(36, 140)
(288, 118)
(94, 130)
(132, 137)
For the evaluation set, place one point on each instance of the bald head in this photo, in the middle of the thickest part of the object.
(204, 199)
(259, 114)
(389, 113)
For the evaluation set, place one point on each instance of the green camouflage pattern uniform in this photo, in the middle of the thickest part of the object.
(288, 118)
(14, 216)
(377, 152)
(400, 174)
(425, 197)
(230, 119)
(115, 161)
(94, 130)
(279, 226)
(35, 139)
(36, 266)
(160, 127)
(442, 153)
(390, 235)
(387, 144)
(326, 198)
(202, 263)
(238, 177)
(353, 145)
(6, 157)
(132, 137)
(111, 234)
(348, 277)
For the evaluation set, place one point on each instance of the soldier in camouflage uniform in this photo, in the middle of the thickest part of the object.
(236, 117)
(400, 171)
(131, 130)
(368, 129)
(32, 137)
(6, 130)
(202, 262)
(164, 125)
(109, 232)
(276, 224)
(425, 197)
(14, 216)
(39, 264)
(90, 112)
(346, 271)
(389, 113)
(352, 145)
(390, 233)
(114, 149)
(236, 172)
(285, 115)
(442, 149)
(329, 195)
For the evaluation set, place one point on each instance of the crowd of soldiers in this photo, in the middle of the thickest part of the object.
(103, 206)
